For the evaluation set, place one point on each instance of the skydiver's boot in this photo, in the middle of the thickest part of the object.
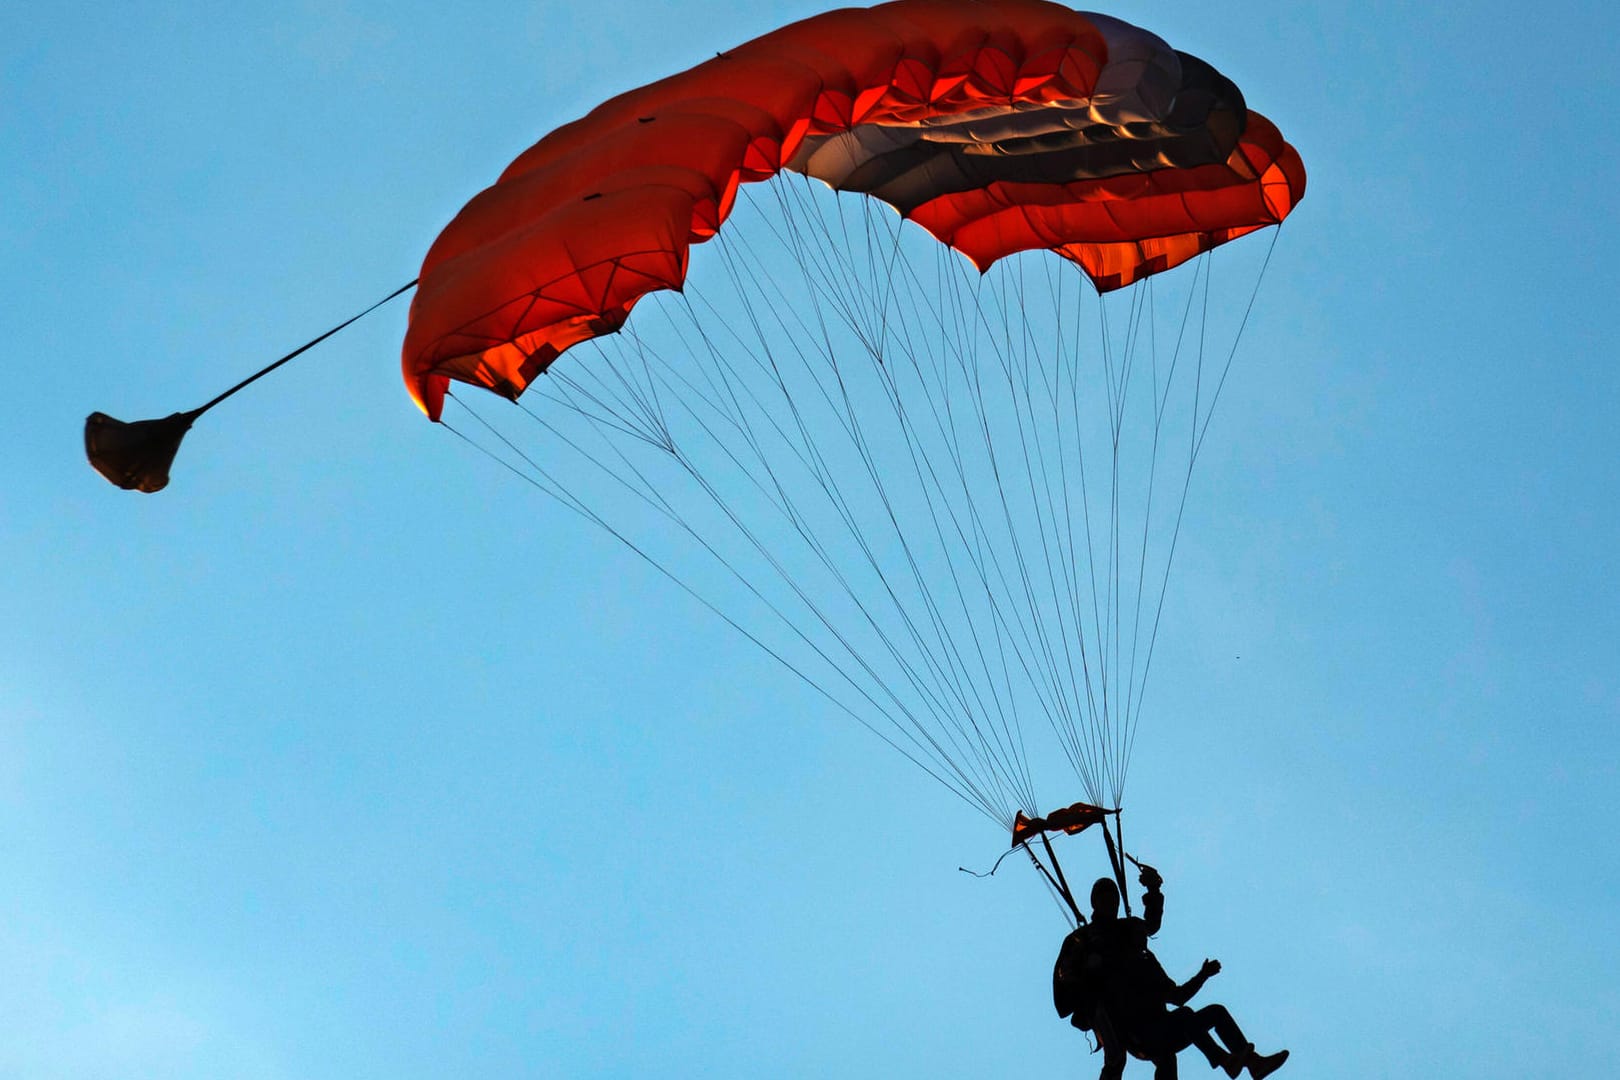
(1237, 1059)
(1263, 1065)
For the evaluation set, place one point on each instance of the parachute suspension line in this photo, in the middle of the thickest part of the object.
(954, 446)
(1137, 685)
(1043, 647)
(1067, 548)
(1006, 606)
(1024, 575)
(882, 468)
(1029, 644)
(1009, 735)
(1098, 566)
(977, 549)
(889, 378)
(650, 490)
(1243, 324)
(1119, 717)
(974, 550)
(980, 552)
(1035, 454)
(1143, 309)
(1009, 741)
(1046, 680)
(1127, 718)
(541, 480)
(1053, 537)
(1231, 354)
(1114, 364)
(1097, 534)
(967, 711)
(1095, 706)
(854, 596)
(1016, 362)
(1042, 367)
(1205, 268)
(873, 334)
(1007, 727)
(1050, 540)
(1004, 614)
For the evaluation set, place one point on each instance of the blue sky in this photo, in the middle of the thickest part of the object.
(345, 757)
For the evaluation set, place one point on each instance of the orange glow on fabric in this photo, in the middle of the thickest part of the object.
(1000, 127)
(1068, 820)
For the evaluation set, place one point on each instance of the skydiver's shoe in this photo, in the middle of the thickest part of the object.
(1263, 1065)
(1237, 1059)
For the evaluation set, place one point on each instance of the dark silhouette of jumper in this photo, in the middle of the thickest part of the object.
(1109, 982)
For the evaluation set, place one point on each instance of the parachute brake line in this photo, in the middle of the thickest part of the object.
(1059, 884)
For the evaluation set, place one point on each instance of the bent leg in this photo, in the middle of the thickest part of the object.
(1183, 1028)
(1196, 1027)
(1213, 1052)
(1240, 1053)
(1215, 1018)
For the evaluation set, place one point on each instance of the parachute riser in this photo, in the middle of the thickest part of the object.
(1063, 884)
(1115, 861)
(1058, 884)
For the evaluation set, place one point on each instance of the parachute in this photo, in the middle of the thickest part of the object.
(997, 126)
(883, 412)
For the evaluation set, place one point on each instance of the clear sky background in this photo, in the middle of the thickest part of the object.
(346, 757)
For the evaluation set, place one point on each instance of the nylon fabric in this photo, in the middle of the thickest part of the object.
(1096, 140)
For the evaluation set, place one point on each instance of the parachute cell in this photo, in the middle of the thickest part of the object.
(999, 127)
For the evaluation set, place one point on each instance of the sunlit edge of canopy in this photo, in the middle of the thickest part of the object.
(615, 223)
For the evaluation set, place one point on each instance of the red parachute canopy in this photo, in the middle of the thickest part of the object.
(998, 125)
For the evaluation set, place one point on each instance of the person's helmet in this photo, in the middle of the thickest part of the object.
(1104, 897)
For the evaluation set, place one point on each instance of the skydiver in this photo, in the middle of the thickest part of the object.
(1110, 982)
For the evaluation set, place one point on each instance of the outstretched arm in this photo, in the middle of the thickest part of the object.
(1184, 993)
